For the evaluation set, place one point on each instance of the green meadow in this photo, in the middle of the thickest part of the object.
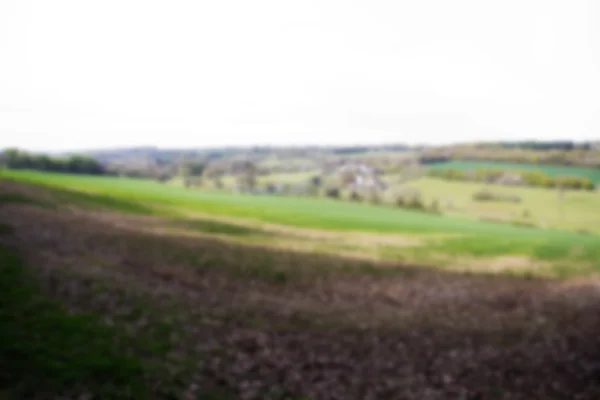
(445, 239)
(577, 211)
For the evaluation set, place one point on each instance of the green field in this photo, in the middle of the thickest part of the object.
(450, 237)
(580, 209)
(551, 170)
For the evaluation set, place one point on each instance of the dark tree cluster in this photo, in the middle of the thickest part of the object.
(77, 164)
(546, 145)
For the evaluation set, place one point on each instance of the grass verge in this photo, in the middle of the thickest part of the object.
(45, 351)
(48, 352)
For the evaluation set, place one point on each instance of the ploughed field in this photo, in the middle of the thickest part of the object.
(208, 295)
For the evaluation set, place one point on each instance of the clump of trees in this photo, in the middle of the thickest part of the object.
(528, 178)
(246, 175)
(332, 192)
(76, 164)
(410, 198)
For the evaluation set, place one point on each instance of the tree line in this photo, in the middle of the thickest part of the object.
(75, 164)
(526, 178)
(547, 145)
(539, 153)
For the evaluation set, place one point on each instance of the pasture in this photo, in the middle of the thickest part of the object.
(578, 210)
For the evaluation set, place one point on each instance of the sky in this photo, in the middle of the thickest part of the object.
(186, 73)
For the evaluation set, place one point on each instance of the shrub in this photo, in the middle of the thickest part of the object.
(416, 203)
(412, 202)
(162, 178)
(354, 196)
(483, 195)
(588, 184)
(332, 192)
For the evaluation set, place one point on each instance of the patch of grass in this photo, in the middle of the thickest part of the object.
(578, 209)
(48, 352)
(43, 349)
(95, 200)
(17, 198)
(218, 227)
(6, 229)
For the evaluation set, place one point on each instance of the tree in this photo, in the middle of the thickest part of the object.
(79, 164)
(347, 177)
(195, 168)
(212, 172)
(332, 192)
(354, 196)
(183, 170)
(83, 165)
(247, 176)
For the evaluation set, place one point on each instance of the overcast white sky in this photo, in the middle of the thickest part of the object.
(105, 73)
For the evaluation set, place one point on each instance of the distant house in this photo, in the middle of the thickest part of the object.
(363, 178)
(367, 184)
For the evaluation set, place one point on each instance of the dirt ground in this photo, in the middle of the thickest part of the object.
(317, 326)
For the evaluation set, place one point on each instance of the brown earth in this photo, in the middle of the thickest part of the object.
(266, 323)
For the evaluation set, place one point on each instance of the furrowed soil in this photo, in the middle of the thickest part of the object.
(253, 322)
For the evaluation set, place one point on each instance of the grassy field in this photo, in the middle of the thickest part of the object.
(551, 170)
(580, 209)
(133, 289)
(442, 240)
